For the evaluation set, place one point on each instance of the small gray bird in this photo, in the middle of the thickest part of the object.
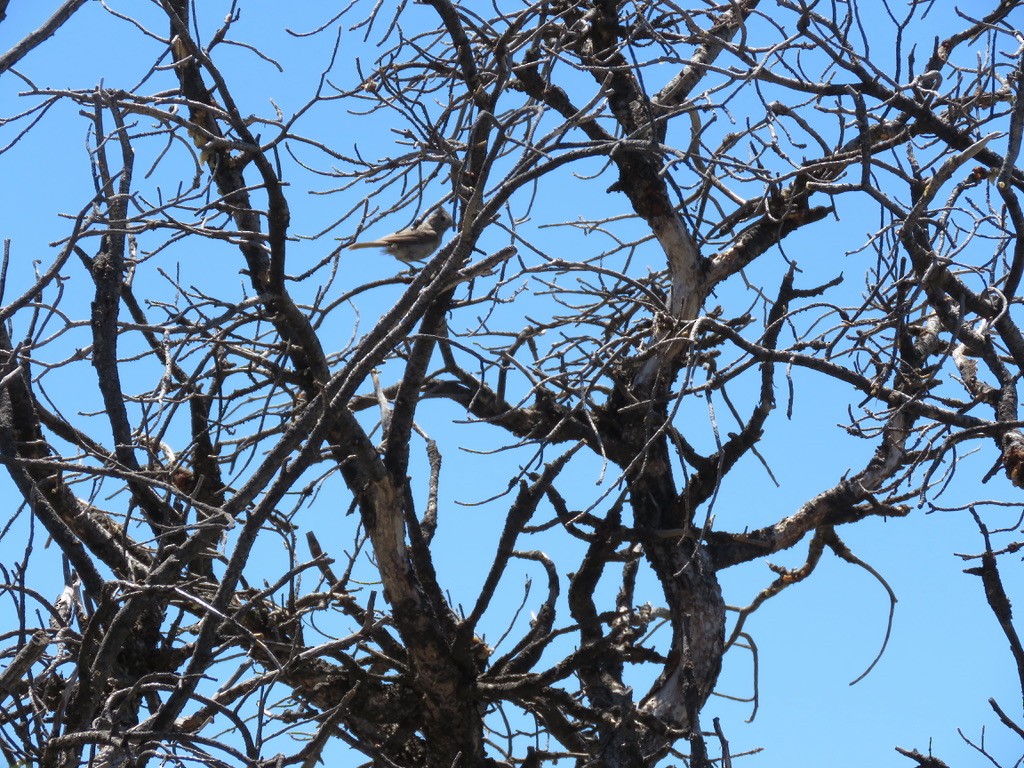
(416, 243)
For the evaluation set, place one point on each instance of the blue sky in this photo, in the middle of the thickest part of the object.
(945, 657)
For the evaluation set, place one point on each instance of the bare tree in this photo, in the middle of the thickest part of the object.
(244, 479)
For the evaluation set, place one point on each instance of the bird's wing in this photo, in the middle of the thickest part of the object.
(395, 238)
(404, 236)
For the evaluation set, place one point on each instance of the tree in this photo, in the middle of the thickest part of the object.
(246, 486)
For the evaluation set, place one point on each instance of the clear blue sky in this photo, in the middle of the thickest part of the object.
(945, 657)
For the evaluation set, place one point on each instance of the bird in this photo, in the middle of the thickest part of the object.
(416, 243)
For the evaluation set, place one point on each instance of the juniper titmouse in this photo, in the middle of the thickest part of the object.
(416, 243)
